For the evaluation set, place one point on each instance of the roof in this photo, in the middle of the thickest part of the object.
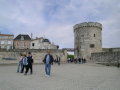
(22, 37)
(38, 38)
(6, 35)
(46, 40)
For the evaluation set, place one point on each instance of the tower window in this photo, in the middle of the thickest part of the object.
(94, 35)
(82, 35)
(92, 45)
(33, 44)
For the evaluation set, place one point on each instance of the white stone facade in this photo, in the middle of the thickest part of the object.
(42, 43)
(87, 39)
(6, 41)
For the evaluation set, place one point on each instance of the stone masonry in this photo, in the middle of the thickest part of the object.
(38, 55)
(109, 56)
(87, 39)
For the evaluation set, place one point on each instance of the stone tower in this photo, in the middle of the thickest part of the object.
(87, 39)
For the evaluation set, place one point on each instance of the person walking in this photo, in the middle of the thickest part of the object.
(48, 60)
(20, 63)
(25, 63)
(79, 60)
(58, 60)
(30, 63)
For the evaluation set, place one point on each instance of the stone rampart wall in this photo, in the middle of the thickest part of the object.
(12, 56)
(106, 57)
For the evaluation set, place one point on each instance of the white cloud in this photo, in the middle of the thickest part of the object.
(111, 32)
(60, 34)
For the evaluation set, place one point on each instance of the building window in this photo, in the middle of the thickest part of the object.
(2, 47)
(9, 42)
(8, 47)
(92, 45)
(22, 38)
(94, 35)
(2, 42)
(33, 44)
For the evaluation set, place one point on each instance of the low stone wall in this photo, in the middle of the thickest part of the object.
(12, 56)
(108, 58)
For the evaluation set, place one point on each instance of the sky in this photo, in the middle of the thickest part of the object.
(54, 19)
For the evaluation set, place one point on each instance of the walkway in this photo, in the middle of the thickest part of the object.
(64, 77)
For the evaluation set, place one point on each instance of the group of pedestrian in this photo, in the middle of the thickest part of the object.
(77, 60)
(26, 61)
(57, 60)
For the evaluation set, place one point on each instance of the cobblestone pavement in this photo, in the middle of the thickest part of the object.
(63, 77)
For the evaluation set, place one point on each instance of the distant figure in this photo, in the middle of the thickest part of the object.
(75, 60)
(84, 60)
(68, 60)
(58, 60)
(20, 63)
(79, 60)
(48, 60)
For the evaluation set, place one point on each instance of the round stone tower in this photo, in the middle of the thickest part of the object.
(87, 39)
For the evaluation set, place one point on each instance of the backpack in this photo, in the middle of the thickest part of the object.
(25, 61)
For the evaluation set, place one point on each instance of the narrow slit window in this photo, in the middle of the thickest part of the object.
(92, 45)
(33, 44)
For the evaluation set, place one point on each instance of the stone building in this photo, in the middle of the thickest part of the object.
(42, 43)
(6, 41)
(87, 39)
(22, 42)
(88, 44)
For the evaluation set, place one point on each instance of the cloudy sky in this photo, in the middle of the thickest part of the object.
(54, 19)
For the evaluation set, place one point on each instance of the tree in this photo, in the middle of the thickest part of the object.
(70, 56)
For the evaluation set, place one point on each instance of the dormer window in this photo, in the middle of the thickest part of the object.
(22, 38)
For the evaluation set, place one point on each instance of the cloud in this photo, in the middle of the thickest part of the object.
(55, 19)
(61, 35)
(111, 32)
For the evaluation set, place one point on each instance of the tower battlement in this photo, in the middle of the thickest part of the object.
(88, 24)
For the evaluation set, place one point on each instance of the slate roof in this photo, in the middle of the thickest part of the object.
(25, 37)
(46, 40)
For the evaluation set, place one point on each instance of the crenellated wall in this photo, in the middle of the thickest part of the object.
(88, 24)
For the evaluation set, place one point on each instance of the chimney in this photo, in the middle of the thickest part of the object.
(31, 36)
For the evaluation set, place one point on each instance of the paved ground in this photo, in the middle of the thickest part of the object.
(64, 77)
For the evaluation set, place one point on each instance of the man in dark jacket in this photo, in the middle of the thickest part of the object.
(30, 63)
(48, 60)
